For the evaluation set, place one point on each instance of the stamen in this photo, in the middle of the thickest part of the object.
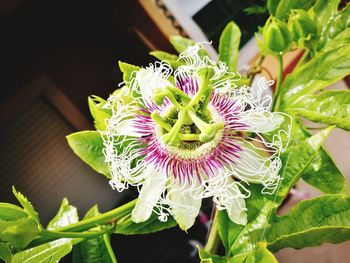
(160, 121)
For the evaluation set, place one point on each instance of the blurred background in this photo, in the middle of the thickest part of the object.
(54, 54)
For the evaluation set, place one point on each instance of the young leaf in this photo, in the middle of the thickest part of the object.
(47, 253)
(99, 113)
(66, 215)
(336, 32)
(294, 161)
(323, 10)
(10, 212)
(207, 257)
(181, 44)
(126, 226)
(27, 206)
(88, 145)
(128, 71)
(324, 219)
(5, 253)
(91, 250)
(330, 107)
(229, 45)
(259, 255)
(173, 60)
(340, 40)
(323, 174)
(228, 230)
(282, 8)
(19, 233)
(321, 71)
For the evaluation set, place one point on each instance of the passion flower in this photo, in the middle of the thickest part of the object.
(190, 134)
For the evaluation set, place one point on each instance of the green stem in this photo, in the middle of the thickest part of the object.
(89, 223)
(213, 240)
(303, 59)
(104, 218)
(107, 241)
(58, 234)
(276, 98)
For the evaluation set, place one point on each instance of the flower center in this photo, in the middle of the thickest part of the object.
(189, 123)
(195, 148)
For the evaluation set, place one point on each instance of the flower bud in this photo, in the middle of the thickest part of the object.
(276, 35)
(302, 26)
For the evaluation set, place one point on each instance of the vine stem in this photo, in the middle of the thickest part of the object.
(57, 234)
(86, 224)
(276, 97)
(107, 241)
(213, 239)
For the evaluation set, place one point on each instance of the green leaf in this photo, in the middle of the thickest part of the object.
(19, 233)
(91, 250)
(66, 215)
(99, 113)
(128, 72)
(228, 230)
(27, 206)
(207, 257)
(259, 255)
(296, 159)
(53, 251)
(10, 212)
(312, 223)
(330, 107)
(281, 8)
(229, 45)
(336, 31)
(181, 44)
(173, 60)
(323, 10)
(126, 226)
(260, 206)
(323, 174)
(255, 9)
(88, 145)
(5, 253)
(18, 226)
(47, 253)
(342, 39)
(321, 71)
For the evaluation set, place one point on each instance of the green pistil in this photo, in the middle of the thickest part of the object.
(172, 137)
(208, 131)
(187, 110)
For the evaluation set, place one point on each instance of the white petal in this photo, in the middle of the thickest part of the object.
(151, 191)
(231, 198)
(237, 210)
(185, 206)
(251, 167)
(151, 78)
(262, 122)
